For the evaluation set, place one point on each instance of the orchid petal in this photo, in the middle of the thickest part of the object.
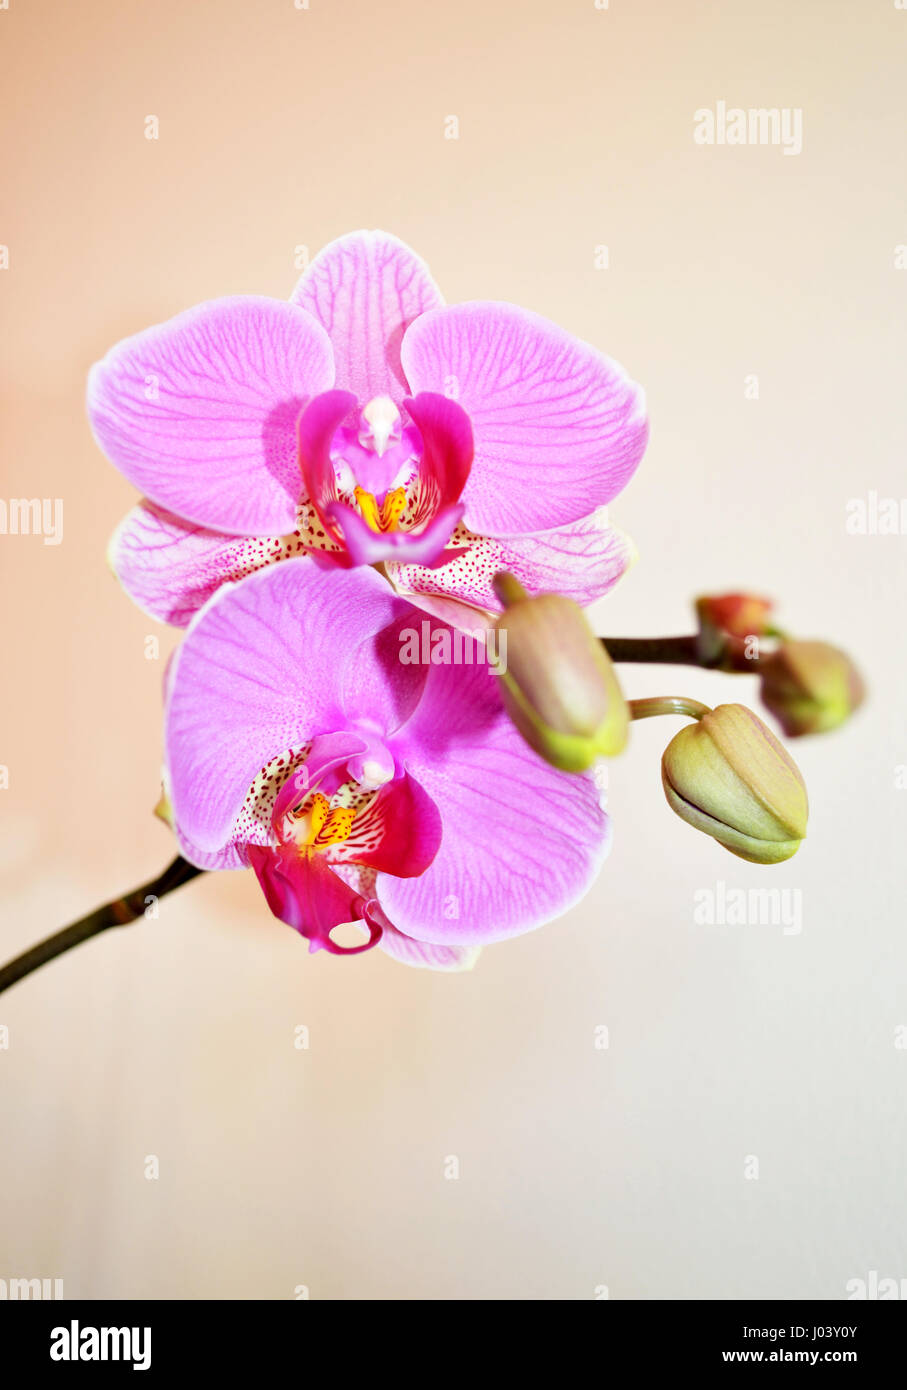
(365, 289)
(447, 447)
(522, 842)
(426, 954)
(200, 412)
(379, 690)
(582, 561)
(259, 672)
(317, 427)
(559, 429)
(303, 892)
(171, 568)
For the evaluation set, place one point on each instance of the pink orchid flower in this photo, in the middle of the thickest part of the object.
(362, 788)
(364, 422)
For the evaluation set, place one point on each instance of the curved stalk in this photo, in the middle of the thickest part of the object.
(666, 704)
(117, 913)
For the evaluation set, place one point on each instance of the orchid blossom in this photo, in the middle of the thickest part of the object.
(364, 422)
(362, 788)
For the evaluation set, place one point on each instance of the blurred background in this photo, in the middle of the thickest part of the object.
(584, 1170)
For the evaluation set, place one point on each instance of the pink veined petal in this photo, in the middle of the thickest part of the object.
(170, 567)
(200, 412)
(559, 429)
(304, 892)
(582, 560)
(452, 612)
(365, 289)
(232, 856)
(261, 670)
(428, 955)
(379, 691)
(521, 841)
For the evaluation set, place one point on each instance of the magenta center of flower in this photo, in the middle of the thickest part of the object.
(385, 481)
(347, 811)
(324, 807)
(375, 465)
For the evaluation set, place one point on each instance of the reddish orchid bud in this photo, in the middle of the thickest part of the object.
(737, 615)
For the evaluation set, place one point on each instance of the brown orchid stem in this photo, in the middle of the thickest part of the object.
(117, 913)
(681, 651)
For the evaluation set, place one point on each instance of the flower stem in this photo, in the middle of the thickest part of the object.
(668, 651)
(113, 914)
(681, 651)
(666, 704)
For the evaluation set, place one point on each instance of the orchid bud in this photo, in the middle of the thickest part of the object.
(726, 623)
(558, 684)
(728, 775)
(810, 687)
(739, 615)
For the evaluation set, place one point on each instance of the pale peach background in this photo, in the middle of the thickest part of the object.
(579, 1168)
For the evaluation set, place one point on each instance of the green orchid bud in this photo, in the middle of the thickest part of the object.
(557, 681)
(729, 776)
(810, 687)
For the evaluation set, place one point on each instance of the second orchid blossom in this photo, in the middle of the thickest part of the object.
(363, 787)
(364, 422)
